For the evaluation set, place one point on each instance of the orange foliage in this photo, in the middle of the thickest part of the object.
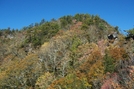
(52, 86)
(95, 55)
(96, 71)
(93, 68)
(117, 53)
(71, 81)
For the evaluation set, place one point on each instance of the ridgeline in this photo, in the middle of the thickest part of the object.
(74, 52)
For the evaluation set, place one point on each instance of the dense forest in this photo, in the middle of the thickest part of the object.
(73, 52)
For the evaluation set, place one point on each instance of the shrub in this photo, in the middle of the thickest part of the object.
(44, 80)
(84, 27)
(75, 43)
(117, 53)
(101, 26)
(21, 74)
(109, 63)
(71, 81)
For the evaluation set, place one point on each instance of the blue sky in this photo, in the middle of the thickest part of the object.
(20, 13)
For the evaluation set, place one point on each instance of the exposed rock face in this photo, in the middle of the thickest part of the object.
(112, 36)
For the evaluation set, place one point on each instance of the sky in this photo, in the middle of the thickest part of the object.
(19, 13)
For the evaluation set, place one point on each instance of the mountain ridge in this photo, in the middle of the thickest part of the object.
(73, 52)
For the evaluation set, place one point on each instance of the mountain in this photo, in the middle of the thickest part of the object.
(74, 52)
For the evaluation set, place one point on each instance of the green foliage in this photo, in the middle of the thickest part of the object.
(97, 19)
(75, 43)
(42, 21)
(109, 64)
(86, 18)
(84, 27)
(89, 21)
(130, 34)
(101, 26)
(38, 35)
(36, 41)
(74, 54)
(63, 23)
(117, 29)
(131, 31)
(78, 17)
(66, 20)
(0, 33)
(69, 59)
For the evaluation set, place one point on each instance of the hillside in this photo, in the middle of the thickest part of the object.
(74, 52)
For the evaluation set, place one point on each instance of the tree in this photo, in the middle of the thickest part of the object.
(1, 33)
(53, 20)
(31, 25)
(8, 31)
(117, 29)
(21, 74)
(109, 64)
(84, 27)
(44, 80)
(42, 21)
(78, 17)
(97, 19)
(36, 24)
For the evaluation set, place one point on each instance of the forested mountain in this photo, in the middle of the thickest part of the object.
(74, 52)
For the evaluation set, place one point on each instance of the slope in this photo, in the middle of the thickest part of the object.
(73, 52)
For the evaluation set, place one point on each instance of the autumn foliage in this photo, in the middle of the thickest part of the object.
(72, 52)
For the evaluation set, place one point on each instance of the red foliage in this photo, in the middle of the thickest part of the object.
(110, 81)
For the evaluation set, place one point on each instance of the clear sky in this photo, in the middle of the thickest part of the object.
(19, 13)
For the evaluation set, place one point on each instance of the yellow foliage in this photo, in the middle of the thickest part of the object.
(93, 68)
(3, 76)
(24, 63)
(94, 46)
(19, 71)
(96, 71)
(56, 82)
(45, 44)
(44, 80)
(69, 82)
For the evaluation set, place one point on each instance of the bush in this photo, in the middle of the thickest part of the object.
(71, 81)
(101, 26)
(118, 53)
(88, 21)
(21, 74)
(131, 31)
(38, 35)
(44, 81)
(109, 64)
(84, 27)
